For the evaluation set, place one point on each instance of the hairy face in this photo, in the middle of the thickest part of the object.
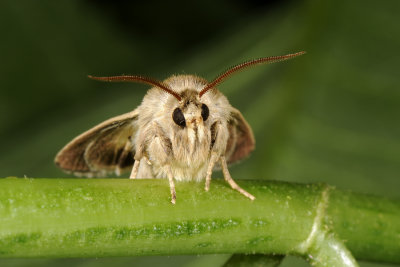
(190, 115)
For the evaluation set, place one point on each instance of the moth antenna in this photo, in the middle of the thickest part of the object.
(139, 79)
(239, 67)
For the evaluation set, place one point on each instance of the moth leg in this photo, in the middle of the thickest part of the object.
(154, 142)
(135, 169)
(210, 167)
(171, 184)
(231, 182)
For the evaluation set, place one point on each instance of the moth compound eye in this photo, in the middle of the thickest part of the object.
(178, 117)
(204, 112)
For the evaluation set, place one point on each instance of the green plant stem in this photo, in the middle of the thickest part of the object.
(121, 217)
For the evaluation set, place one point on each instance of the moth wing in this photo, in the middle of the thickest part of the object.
(106, 148)
(241, 139)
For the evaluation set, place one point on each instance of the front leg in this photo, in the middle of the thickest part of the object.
(171, 184)
(155, 147)
(211, 163)
(231, 182)
(220, 139)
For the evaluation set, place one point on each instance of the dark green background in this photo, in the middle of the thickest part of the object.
(330, 116)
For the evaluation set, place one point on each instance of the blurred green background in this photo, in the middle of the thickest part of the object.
(330, 116)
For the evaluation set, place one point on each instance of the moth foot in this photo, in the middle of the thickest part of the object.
(173, 194)
(242, 191)
(173, 199)
(207, 186)
(250, 196)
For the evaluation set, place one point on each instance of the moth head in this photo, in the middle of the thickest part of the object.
(190, 109)
(190, 112)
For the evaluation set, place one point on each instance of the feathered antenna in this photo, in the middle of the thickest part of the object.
(139, 79)
(239, 67)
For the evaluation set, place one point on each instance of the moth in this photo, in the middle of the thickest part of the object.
(183, 128)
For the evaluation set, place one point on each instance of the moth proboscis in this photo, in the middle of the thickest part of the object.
(181, 130)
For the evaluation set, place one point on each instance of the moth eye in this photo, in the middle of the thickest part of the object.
(204, 112)
(178, 117)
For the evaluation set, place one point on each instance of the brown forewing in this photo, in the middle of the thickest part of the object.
(241, 139)
(103, 149)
